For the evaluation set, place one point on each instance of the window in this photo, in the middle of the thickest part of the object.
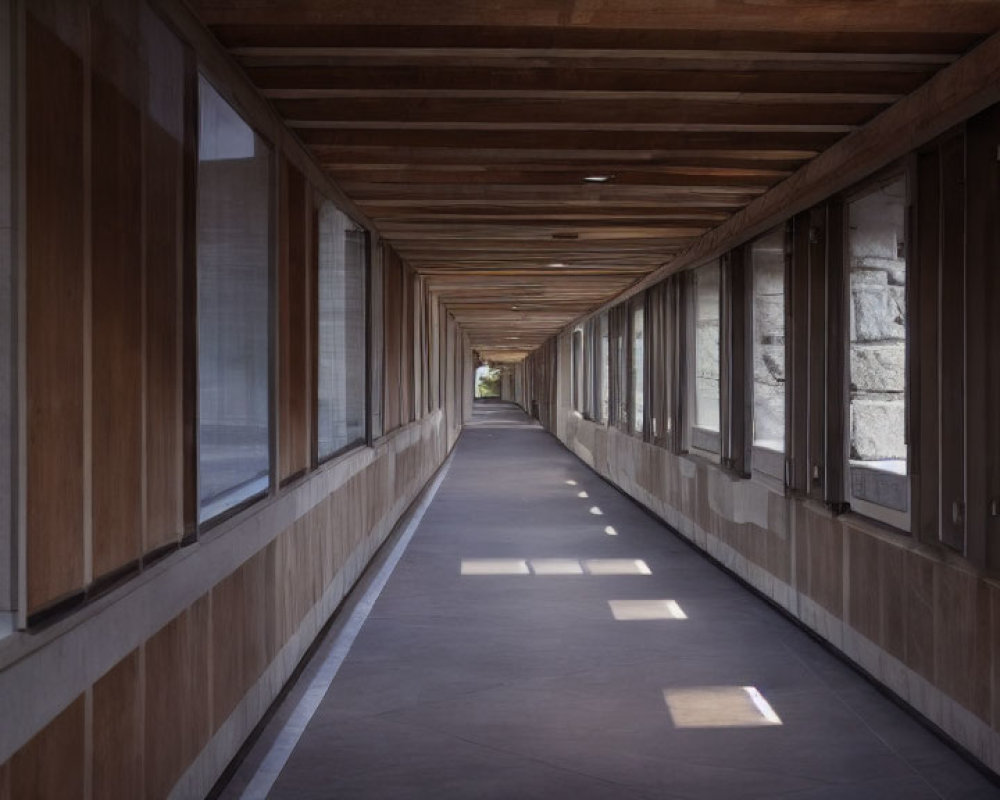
(768, 259)
(234, 217)
(602, 369)
(340, 384)
(877, 353)
(704, 385)
(577, 369)
(637, 377)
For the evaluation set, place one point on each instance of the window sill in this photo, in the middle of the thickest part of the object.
(705, 440)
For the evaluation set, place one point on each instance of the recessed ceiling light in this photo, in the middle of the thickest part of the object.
(557, 264)
(513, 337)
(513, 308)
(598, 178)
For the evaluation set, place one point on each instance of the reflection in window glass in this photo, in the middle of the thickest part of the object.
(602, 367)
(878, 328)
(340, 417)
(234, 167)
(638, 319)
(706, 342)
(768, 257)
(577, 376)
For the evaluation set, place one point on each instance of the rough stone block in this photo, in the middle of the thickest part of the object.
(878, 367)
(876, 308)
(877, 429)
(707, 355)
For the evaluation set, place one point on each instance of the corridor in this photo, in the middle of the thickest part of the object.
(542, 636)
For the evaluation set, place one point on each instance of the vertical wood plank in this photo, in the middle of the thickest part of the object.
(116, 264)
(923, 315)
(117, 731)
(797, 348)
(951, 296)
(836, 400)
(163, 197)
(177, 709)
(54, 308)
(983, 338)
(51, 766)
(817, 265)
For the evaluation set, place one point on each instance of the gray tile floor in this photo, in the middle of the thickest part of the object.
(510, 685)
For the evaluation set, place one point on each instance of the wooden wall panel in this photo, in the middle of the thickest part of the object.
(393, 273)
(116, 267)
(55, 299)
(983, 342)
(242, 629)
(293, 322)
(51, 766)
(117, 731)
(178, 718)
(951, 294)
(163, 162)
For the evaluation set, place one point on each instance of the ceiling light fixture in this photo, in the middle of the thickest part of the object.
(557, 264)
(598, 178)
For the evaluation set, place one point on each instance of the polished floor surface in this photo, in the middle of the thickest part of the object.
(543, 637)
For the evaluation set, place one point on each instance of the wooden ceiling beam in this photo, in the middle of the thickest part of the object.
(277, 33)
(361, 112)
(863, 80)
(776, 16)
(961, 90)
(803, 145)
(333, 156)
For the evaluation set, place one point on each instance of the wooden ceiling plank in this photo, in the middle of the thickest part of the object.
(861, 79)
(281, 34)
(579, 112)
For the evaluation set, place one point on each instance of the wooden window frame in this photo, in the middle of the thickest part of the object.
(855, 476)
(767, 464)
(700, 441)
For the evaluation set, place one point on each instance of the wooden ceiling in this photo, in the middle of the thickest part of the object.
(466, 130)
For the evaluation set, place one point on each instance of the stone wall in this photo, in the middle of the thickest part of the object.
(706, 311)
(769, 341)
(877, 328)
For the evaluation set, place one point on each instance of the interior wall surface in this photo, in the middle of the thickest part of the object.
(919, 622)
(149, 643)
(917, 607)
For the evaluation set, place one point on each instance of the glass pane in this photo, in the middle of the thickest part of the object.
(234, 167)
(706, 343)
(638, 320)
(603, 367)
(878, 328)
(768, 256)
(340, 418)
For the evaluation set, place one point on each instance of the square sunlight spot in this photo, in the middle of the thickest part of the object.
(616, 566)
(646, 609)
(556, 566)
(719, 707)
(495, 566)
(610, 531)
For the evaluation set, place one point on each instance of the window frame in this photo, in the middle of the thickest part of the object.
(699, 440)
(902, 521)
(636, 306)
(767, 463)
(203, 524)
(367, 308)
